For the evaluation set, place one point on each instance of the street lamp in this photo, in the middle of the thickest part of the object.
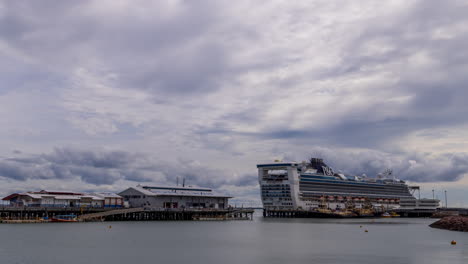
(446, 204)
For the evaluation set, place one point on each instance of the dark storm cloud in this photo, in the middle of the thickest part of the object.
(91, 167)
(115, 159)
(107, 167)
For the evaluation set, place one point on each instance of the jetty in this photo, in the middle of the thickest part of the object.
(370, 212)
(34, 213)
(41, 215)
(152, 214)
(139, 203)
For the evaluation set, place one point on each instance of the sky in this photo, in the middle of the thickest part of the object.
(104, 95)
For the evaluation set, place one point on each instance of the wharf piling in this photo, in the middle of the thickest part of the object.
(317, 214)
(299, 214)
(7, 214)
(146, 214)
(30, 215)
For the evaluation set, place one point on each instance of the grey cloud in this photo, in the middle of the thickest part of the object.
(114, 159)
(436, 90)
(175, 55)
(107, 167)
(192, 53)
(414, 167)
(91, 167)
(203, 175)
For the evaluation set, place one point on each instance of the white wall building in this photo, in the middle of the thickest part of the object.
(174, 197)
(64, 199)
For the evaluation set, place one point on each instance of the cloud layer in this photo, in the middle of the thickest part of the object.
(134, 91)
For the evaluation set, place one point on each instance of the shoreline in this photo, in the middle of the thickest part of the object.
(452, 223)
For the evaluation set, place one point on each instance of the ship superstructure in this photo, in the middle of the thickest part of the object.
(311, 185)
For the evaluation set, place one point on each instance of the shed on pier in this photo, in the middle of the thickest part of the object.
(174, 197)
(64, 199)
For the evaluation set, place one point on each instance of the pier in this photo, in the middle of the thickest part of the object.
(151, 214)
(33, 215)
(302, 214)
(439, 212)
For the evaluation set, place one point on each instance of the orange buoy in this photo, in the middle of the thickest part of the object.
(366, 231)
(453, 242)
(110, 226)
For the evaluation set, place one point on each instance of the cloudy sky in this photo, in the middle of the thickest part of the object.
(102, 95)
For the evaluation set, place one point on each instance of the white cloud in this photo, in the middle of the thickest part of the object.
(228, 84)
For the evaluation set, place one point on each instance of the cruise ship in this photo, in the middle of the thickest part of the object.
(313, 185)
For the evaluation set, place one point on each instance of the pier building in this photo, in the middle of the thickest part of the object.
(148, 203)
(62, 199)
(174, 197)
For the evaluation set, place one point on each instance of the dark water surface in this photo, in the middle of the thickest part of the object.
(259, 241)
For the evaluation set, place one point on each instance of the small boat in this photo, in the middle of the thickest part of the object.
(386, 215)
(393, 214)
(64, 218)
(344, 214)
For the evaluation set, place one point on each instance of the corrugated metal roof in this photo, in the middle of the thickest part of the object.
(176, 188)
(54, 192)
(97, 198)
(9, 197)
(107, 195)
(177, 193)
(194, 195)
(143, 191)
(68, 197)
(32, 195)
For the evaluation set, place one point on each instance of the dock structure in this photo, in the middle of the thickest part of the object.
(312, 189)
(139, 203)
(415, 212)
(452, 211)
(311, 214)
(30, 215)
(403, 212)
(151, 214)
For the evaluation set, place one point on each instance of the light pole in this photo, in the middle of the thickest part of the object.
(433, 194)
(446, 204)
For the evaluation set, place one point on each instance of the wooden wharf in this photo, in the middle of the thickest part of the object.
(38, 214)
(149, 214)
(282, 213)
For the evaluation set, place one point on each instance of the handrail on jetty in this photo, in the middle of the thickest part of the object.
(145, 213)
(108, 213)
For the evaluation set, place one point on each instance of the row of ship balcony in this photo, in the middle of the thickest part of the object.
(355, 199)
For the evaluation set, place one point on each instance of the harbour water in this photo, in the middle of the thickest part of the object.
(261, 241)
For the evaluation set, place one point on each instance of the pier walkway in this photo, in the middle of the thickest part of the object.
(9, 214)
(101, 215)
(154, 214)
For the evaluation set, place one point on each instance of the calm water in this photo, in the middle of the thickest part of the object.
(259, 241)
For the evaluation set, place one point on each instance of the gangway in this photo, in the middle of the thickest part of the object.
(108, 213)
